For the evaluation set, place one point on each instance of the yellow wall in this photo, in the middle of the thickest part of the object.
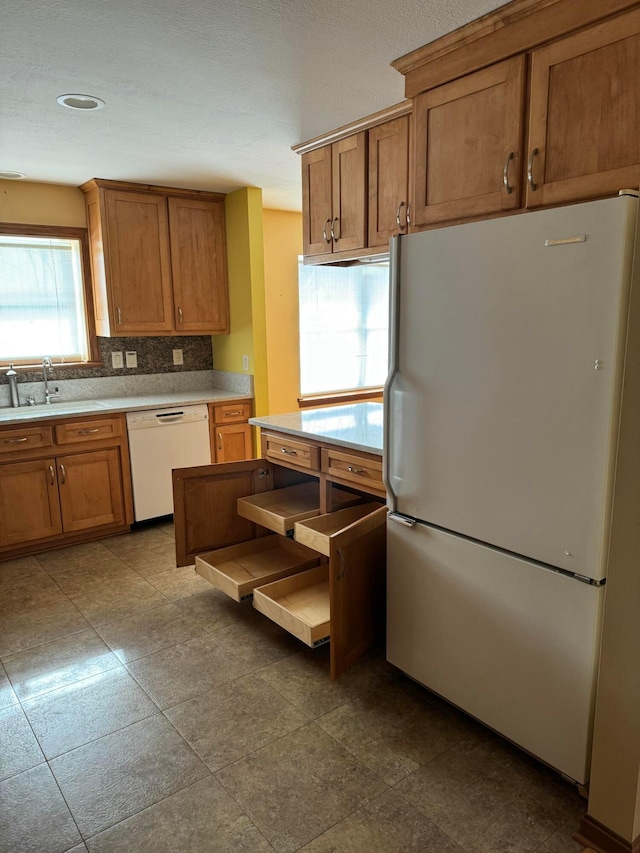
(282, 245)
(30, 203)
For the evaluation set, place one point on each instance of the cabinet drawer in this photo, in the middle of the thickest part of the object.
(231, 413)
(287, 451)
(238, 569)
(94, 430)
(17, 439)
(300, 604)
(316, 532)
(350, 468)
(280, 509)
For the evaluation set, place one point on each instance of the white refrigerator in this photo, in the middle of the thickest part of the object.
(501, 413)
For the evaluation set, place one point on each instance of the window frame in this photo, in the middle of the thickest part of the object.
(62, 232)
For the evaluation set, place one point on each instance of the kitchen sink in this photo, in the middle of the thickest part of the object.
(51, 409)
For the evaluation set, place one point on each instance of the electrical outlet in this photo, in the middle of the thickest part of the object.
(116, 360)
(177, 356)
(132, 358)
(245, 362)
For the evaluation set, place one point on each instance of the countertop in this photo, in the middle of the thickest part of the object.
(358, 425)
(61, 409)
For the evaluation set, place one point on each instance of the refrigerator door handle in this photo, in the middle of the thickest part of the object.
(394, 320)
(402, 519)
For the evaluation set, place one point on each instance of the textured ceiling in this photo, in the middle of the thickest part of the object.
(207, 95)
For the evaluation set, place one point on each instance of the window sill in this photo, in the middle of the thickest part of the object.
(340, 397)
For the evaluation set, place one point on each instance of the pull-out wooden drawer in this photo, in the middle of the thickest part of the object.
(288, 451)
(231, 413)
(316, 532)
(280, 509)
(300, 604)
(361, 471)
(75, 432)
(239, 569)
(17, 439)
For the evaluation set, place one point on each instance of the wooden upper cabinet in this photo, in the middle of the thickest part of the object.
(158, 258)
(199, 265)
(584, 123)
(334, 197)
(348, 196)
(468, 142)
(388, 180)
(316, 201)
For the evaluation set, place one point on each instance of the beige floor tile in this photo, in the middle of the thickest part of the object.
(234, 720)
(33, 815)
(562, 842)
(84, 555)
(299, 786)
(202, 818)
(118, 600)
(19, 750)
(153, 559)
(137, 542)
(213, 609)
(145, 633)
(28, 594)
(115, 777)
(256, 639)
(83, 580)
(50, 666)
(489, 796)
(303, 679)
(174, 675)
(179, 583)
(22, 568)
(389, 824)
(397, 728)
(22, 630)
(169, 528)
(7, 693)
(87, 710)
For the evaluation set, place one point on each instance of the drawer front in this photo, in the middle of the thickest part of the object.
(288, 451)
(350, 468)
(231, 413)
(17, 439)
(76, 432)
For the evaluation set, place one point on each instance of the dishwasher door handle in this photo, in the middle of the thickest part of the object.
(172, 418)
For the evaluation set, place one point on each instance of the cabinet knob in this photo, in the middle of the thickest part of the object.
(532, 184)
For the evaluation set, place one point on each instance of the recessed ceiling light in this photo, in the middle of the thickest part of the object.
(80, 102)
(8, 175)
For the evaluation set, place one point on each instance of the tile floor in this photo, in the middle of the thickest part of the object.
(141, 710)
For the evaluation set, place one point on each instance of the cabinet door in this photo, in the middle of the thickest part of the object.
(316, 201)
(585, 114)
(357, 575)
(232, 442)
(388, 180)
(91, 491)
(29, 506)
(349, 200)
(138, 263)
(468, 141)
(198, 265)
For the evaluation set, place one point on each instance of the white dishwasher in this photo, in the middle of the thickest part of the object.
(160, 440)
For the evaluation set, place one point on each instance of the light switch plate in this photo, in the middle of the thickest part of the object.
(177, 356)
(116, 360)
(132, 358)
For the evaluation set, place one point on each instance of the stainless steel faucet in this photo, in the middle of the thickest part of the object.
(47, 367)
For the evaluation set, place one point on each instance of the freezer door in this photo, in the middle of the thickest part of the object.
(511, 643)
(503, 413)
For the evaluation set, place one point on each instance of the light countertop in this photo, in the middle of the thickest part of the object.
(358, 425)
(68, 408)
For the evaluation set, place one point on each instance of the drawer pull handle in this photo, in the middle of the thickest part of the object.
(289, 452)
(179, 314)
(532, 183)
(232, 414)
(324, 232)
(119, 316)
(15, 440)
(219, 441)
(353, 470)
(343, 565)
(64, 474)
(505, 173)
(53, 475)
(88, 431)
(335, 237)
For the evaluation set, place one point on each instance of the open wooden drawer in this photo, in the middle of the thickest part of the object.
(300, 604)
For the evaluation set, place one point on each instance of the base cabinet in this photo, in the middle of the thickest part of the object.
(230, 433)
(29, 501)
(259, 532)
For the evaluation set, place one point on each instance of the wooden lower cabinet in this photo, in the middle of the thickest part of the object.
(79, 490)
(230, 434)
(255, 530)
